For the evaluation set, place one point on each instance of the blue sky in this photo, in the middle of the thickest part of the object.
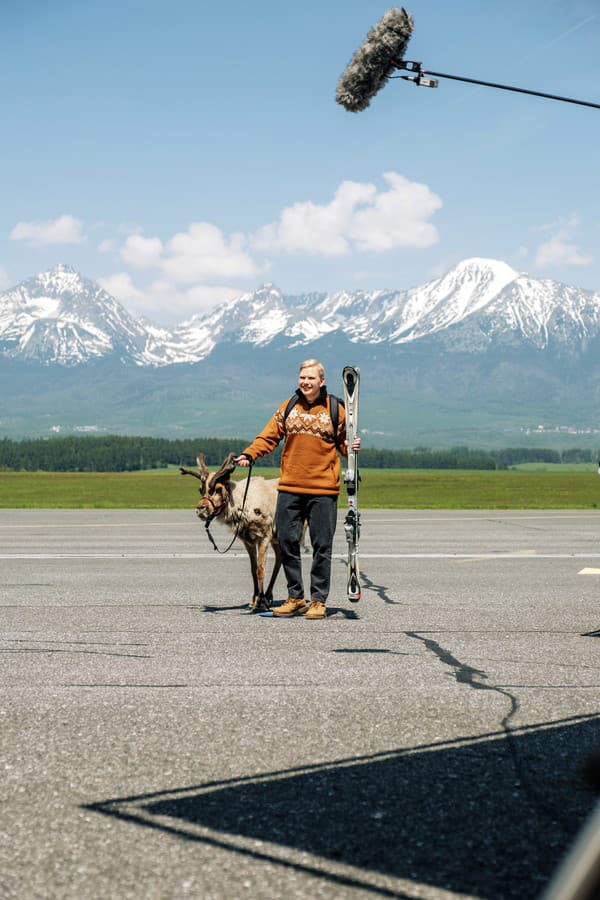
(184, 152)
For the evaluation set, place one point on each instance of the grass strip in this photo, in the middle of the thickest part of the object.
(380, 489)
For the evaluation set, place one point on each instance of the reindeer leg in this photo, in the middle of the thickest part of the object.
(276, 567)
(256, 597)
(262, 547)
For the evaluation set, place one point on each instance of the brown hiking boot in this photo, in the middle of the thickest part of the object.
(292, 607)
(316, 610)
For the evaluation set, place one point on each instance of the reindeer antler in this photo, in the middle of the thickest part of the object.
(202, 472)
(184, 471)
(201, 460)
(226, 469)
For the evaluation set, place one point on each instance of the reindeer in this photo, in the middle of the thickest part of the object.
(253, 521)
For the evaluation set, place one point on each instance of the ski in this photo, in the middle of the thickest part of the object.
(351, 378)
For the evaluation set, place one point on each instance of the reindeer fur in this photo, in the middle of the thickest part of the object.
(222, 500)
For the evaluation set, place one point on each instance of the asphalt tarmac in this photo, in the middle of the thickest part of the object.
(158, 741)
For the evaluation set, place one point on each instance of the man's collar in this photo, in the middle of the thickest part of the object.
(322, 398)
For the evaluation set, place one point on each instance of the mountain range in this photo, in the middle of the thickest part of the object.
(483, 354)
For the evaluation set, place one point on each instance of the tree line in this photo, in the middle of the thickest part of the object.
(113, 453)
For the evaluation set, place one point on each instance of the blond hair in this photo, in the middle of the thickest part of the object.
(313, 363)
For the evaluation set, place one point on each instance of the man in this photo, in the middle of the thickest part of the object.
(309, 485)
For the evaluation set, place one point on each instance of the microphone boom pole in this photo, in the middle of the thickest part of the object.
(419, 80)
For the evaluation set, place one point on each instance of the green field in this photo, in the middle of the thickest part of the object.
(555, 467)
(563, 488)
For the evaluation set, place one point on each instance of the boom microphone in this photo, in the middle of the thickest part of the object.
(374, 61)
(383, 51)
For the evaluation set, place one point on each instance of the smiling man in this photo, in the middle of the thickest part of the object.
(309, 483)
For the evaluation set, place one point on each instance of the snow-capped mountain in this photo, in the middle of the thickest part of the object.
(480, 356)
(59, 317)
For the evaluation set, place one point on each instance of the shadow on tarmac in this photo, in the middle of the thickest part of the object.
(243, 608)
(591, 633)
(378, 589)
(238, 607)
(488, 815)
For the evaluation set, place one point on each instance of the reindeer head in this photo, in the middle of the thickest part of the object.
(214, 489)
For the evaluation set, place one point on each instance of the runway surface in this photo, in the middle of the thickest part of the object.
(158, 741)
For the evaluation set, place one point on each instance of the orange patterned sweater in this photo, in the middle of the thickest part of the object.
(310, 463)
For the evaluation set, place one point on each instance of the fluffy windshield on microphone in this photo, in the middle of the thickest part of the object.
(373, 62)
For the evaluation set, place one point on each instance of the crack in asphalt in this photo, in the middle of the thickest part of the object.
(468, 675)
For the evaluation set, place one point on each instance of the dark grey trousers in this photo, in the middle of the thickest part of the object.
(320, 511)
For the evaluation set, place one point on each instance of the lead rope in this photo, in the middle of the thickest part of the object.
(237, 530)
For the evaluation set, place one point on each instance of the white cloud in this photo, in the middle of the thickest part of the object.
(141, 252)
(4, 279)
(311, 228)
(200, 254)
(163, 300)
(563, 223)
(203, 297)
(121, 287)
(560, 252)
(64, 230)
(358, 218)
(397, 217)
(560, 248)
(194, 269)
(203, 253)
